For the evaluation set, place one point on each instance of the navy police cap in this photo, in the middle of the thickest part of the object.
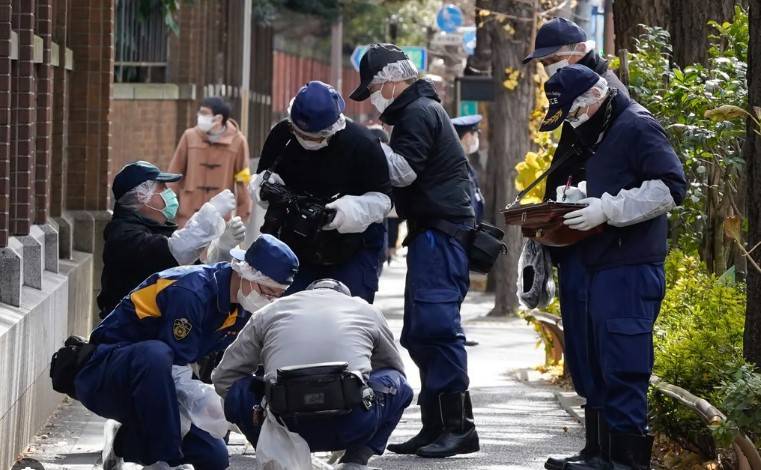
(553, 35)
(271, 257)
(136, 173)
(316, 107)
(562, 89)
(465, 124)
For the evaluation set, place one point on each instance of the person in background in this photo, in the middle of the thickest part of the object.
(212, 156)
(633, 178)
(317, 151)
(171, 320)
(319, 325)
(429, 172)
(468, 131)
(392, 221)
(559, 43)
(142, 237)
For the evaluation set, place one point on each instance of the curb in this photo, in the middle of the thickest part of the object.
(571, 404)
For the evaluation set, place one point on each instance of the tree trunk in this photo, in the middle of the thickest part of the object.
(508, 135)
(753, 162)
(629, 14)
(689, 27)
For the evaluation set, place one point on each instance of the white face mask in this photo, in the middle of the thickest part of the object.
(311, 144)
(379, 101)
(552, 69)
(579, 120)
(205, 123)
(472, 146)
(253, 301)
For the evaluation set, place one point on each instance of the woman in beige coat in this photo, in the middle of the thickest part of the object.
(213, 156)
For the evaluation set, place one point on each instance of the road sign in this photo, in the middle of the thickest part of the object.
(441, 39)
(449, 18)
(468, 108)
(418, 56)
(469, 40)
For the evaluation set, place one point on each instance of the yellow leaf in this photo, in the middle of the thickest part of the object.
(732, 228)
(484, 13)
(725, 112)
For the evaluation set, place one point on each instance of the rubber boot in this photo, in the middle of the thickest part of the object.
(432, 427)
(591, 445)
(601, 460)
(630, 451)
(459, 435)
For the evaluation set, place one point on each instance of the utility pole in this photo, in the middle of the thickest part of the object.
(245, 82)
(336, 54)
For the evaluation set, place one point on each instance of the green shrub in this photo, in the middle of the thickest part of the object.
(698, 344)
(741, 401)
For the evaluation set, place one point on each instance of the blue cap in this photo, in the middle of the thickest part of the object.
(465, 124)
(316, 106)
(271, 257)
(138, 172)
(553, 35)
(562, 89)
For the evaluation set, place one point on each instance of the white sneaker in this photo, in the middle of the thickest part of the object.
(110, 460)
(160, 465)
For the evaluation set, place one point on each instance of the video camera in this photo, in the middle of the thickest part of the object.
(301, 215)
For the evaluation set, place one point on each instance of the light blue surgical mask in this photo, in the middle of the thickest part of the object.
(171, 204)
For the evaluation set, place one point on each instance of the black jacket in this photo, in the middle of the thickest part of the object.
(135, 248)
(424, 135)
(574, 167)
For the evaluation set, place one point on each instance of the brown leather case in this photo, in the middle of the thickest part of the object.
(544, 223)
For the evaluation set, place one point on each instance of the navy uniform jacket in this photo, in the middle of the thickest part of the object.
(187, 307)
(634, 149)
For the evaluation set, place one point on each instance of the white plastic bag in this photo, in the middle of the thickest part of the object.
(280, 449)
(199, 403)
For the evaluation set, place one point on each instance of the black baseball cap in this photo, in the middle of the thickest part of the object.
(138, 172)
(376, 57)
(553, 35)
(562, 89)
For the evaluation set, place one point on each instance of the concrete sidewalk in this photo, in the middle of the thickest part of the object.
(518, 417)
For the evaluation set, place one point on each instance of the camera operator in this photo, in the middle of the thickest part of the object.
(324, 182)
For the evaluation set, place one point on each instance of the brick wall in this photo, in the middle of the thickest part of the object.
(60, 112)
(44, 115)
(5, 119)
(144, 130)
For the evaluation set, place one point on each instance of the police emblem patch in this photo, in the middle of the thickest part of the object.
(181, 328)
(554, 118)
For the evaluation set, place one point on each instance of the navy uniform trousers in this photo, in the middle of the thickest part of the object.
(360, 273)
(360, 428)
(572, 282)
(437, 282)
(133, 384)
(624, 302)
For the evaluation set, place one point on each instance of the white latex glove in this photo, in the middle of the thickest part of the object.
(400, 172)
(234, 234)
(355, 213)
(255, 186)
(204, 226)
(588, 217)
(224, 202)
(572, 194)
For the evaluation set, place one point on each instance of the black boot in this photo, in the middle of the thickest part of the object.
(630, 451)
(601, 459)
(591, 446)
(459, 435)
(432, 426)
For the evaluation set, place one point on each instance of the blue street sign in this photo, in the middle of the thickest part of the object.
(449, 18)
(469, 41)
(418, 56)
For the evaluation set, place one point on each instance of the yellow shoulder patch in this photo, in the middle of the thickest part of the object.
(144, 299)
(230, 320)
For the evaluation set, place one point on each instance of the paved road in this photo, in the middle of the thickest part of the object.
(519, 421)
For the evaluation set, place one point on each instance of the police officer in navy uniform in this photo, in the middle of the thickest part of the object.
(429, 173)
(468, 132)
(174, 318)
(559, 43)
(316, 150)
(633, 179)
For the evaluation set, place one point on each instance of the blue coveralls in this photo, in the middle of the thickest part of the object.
(360, 428)
(360, 274)
(437, 282)
(174, 317)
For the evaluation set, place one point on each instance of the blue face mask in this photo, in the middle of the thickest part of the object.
(171, 204)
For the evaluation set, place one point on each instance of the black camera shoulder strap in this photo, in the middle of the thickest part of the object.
(277, 161)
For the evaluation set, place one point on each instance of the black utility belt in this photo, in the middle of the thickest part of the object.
(324, 389)
(483, 244)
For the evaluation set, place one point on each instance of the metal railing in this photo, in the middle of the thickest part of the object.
(140, 43)
(748, 456)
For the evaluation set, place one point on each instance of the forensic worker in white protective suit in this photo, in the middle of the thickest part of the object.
(317, 155)
(322, 324)
(142, 237)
